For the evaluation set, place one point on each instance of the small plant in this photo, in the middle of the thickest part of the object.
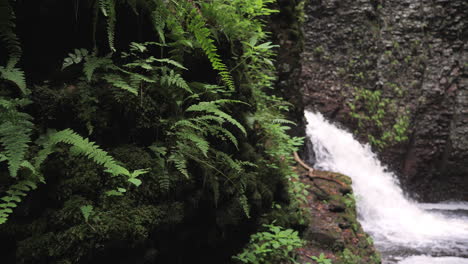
(349, 200)
(321, 259)
(349, 258)
(276, 245)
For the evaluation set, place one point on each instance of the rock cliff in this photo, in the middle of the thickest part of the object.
(416, 54)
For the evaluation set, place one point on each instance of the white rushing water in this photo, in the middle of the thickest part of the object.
(404, 231)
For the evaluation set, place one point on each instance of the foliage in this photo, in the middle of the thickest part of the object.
(372, 110)
(322, 259)
(276, 245)
(349, 258)
(86, 210)
(216, 144)
(8, 35)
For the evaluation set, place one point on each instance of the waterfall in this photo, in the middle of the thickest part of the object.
(403, 230)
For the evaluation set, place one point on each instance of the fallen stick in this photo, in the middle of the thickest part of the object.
(311, 174)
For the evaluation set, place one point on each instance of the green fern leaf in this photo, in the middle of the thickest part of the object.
(117, 81)
(175, 79)
(15, 136)
(244, 203)
(7, 34)
(92, 63)
(86, 211)
(212, 107)
(83, 146)
(180, 163)
(14, 75)
(164, 182)
(203, 37)
(199, 141)
(15, 192)
(108, 10)
(227, 134)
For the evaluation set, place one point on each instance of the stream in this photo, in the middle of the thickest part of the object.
(404, 231)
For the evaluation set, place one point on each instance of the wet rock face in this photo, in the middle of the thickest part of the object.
(416, 53)
(335, 230)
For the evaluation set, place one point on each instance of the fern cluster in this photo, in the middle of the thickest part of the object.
(218, 142)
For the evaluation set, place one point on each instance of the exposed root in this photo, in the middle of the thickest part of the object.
(311, 174)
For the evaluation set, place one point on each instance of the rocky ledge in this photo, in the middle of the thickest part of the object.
(334, 229)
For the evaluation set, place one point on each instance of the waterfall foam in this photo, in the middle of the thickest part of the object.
(400, 227)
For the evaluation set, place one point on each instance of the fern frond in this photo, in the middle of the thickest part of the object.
(92, 63)
(212, 107)
(15, 133)
(199, 141)
(282, 121)
(175, 79)
(108, 10)
(187, 123)
(7, 33)
(14, 75)
(11, 200)
(202, 34)
(180, 163)
(159, 21)
(244, 204)
(226, 133)
(82, 146)
(164, 182)
(117, 81)
(206, 118)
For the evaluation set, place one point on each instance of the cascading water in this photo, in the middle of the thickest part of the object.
(404, 231)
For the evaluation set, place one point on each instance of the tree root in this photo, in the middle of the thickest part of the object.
(311, 174)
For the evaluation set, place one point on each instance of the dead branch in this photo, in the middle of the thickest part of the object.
(311, 174)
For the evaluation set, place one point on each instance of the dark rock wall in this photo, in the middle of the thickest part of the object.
(416, 53)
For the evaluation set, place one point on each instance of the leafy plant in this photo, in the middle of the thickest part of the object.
(276, 245)
(350, 200)
(218, 142)
(349, 258)
(378, 118)
(322, 259)
(86, 211)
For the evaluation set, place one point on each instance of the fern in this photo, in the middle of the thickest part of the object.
(164, 182)
(213, 107)
(7, 34)
(74, 58)
(158, 17)
(14, 75)
(15, 133)
(203, 37)
(92, 63)
(108, 10)
(180, 162)
(117, 81)
(15, 194)
(83, 146)
(244, 204)
(199, 141)
(224, 133)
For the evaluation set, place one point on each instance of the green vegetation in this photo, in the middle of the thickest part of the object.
(378, 117)
(321, 259)
(272, 246)
(146, 131)
(128, 136)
